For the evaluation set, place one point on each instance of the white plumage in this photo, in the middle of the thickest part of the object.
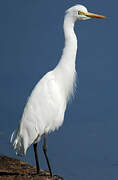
(44, 111)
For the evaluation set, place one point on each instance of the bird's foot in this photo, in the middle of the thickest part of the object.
(44, 173)
(56, 177)
(47, 174)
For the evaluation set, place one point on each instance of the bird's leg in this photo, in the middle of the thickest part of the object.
(36, 158)
(45, 153)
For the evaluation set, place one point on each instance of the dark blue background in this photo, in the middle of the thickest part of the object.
(31, 43)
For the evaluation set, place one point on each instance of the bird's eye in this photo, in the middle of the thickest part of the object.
(79, 12)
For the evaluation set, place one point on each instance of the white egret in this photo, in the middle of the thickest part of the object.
(44, 111)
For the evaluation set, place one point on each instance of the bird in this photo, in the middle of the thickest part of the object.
(46, 106)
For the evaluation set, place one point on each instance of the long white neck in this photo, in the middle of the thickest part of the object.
(69, 52)
(65, 69)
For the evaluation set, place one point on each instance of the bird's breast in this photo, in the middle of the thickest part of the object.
(47, 104)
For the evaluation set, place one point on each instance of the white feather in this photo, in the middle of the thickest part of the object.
(44, 111)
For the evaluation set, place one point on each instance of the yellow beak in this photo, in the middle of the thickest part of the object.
(92, 15)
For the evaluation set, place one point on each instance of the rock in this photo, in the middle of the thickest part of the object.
(14, 169)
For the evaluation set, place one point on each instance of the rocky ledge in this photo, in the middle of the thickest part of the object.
(14, 169)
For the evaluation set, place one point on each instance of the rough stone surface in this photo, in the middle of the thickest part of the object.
(14, 169)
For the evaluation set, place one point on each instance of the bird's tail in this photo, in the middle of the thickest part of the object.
(18, 144)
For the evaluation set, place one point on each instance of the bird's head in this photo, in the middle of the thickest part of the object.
(79, 12)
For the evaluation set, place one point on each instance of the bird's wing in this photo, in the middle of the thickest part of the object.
(44, 112)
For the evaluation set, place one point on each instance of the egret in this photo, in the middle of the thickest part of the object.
(45, 108)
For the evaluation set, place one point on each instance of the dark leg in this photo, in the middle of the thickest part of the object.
(36, 158)
(46, 155)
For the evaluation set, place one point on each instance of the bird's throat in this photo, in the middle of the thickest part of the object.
(66, 65)
(69, 52)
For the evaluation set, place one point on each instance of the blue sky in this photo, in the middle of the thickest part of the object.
(31, 44)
